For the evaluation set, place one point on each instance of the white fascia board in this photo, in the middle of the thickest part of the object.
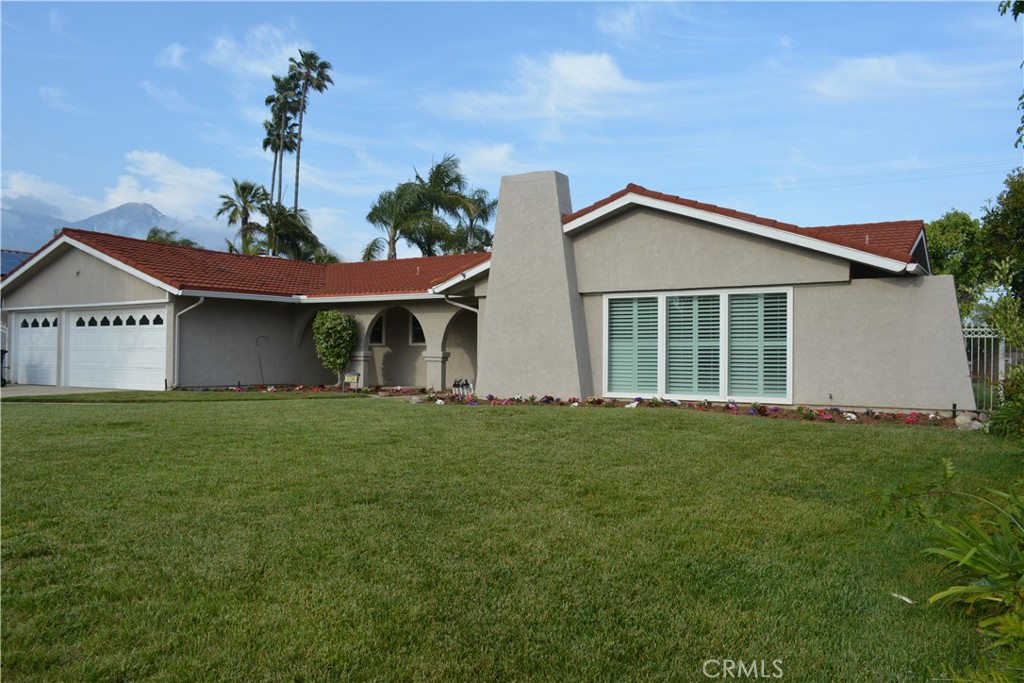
(805, 241)
(367, 298)
(462, 277)
(212, 294)
(107, 304)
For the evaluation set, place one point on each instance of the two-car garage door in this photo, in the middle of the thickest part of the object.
(105, 348)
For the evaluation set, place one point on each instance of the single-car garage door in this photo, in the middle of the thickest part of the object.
(118, 349)
(35, 350)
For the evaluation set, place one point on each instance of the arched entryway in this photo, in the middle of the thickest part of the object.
(460, 339)
(395, 342)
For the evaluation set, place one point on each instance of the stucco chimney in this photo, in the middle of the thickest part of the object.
(533, 337)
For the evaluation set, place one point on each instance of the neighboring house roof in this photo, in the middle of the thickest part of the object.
(11, 259)
(186, 269)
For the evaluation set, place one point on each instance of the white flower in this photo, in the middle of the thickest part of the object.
(439, 402)
(574, 404)
(933, 416)
(631, 405)
(851, 417)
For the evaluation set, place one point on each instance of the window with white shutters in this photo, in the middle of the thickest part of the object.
(716, 345)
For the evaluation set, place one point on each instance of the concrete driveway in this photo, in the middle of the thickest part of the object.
(12, 390)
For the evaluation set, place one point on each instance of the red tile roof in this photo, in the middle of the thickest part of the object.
(401, 276)
(202, 270)
(186, 268)
(894, 239)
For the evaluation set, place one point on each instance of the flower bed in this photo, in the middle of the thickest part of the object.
(755, 410)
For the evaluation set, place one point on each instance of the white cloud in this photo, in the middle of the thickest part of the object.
(489, 160)
(172, 56)
(261, 53)
(170, 186)
(58, 24)
(624, 22)
(168, 98)
(870, 77)
(53, 97)
(24, 186)
(563, 87)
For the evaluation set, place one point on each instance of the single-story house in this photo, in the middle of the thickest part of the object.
(639, 294)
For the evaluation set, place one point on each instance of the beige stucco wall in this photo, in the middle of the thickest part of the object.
(871, 343)
(646, 250)
(218, 345)
(75, 277)
(887, 342)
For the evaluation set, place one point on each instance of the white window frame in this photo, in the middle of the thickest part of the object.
(723, 361)
(413, 319)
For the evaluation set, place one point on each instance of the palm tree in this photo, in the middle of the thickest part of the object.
(281, 128)
(444, 187)
(470, 234)
(248, 199)
(289, 232)
(309, 71)
(249, 246)
(403, 213)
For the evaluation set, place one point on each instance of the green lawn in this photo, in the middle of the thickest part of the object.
(298, 540)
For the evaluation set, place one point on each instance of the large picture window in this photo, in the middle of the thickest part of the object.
(708, 345)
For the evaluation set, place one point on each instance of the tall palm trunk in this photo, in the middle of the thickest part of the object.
(298, 144)
(280, 160)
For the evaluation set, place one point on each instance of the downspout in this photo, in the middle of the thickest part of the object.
(449, 300)
(177, 336)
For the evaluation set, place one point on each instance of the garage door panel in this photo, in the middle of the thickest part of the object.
(120, 349)
(35, 353)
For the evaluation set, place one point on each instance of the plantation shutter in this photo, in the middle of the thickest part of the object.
(692, 348)
(633, 345)
(758, 342)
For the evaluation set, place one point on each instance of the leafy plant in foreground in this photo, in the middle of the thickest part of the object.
(987, 549)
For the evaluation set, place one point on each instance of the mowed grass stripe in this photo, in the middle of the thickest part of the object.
(377, 540)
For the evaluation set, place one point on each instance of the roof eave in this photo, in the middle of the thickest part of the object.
(363, 298)
(461, 278)
(805, 241)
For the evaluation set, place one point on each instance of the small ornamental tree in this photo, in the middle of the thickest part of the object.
(335, 334)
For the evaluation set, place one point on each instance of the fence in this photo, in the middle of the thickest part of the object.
(989, 358)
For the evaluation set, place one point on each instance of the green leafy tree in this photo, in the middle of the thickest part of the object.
(335, 335)
(161, 236)
(954, 247)
(1003, 230)
(309, 72)
(1016, 8)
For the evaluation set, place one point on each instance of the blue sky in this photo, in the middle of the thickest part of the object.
(812, 113)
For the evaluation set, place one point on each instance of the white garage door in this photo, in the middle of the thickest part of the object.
(35, 351)
(118, 349)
